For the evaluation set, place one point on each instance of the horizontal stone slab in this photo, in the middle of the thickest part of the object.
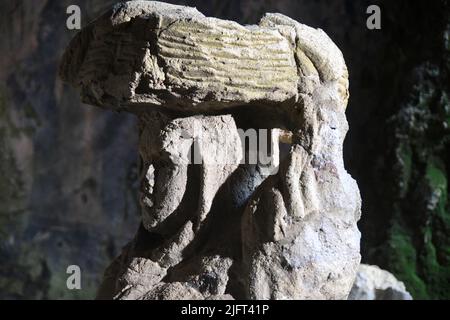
(144, 53)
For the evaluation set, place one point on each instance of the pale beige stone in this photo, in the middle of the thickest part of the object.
(374, 283)
(224, 229)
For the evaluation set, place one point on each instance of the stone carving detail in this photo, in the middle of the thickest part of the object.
(214, 224)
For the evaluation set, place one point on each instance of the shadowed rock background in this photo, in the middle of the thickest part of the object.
(68, 172)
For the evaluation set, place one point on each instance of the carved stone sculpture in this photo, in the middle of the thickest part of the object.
(219, 219)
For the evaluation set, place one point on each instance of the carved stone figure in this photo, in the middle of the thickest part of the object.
(221, 217)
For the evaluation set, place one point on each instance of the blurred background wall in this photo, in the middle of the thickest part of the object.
(68, 172)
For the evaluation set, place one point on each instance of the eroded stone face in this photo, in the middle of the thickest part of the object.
(226, 227)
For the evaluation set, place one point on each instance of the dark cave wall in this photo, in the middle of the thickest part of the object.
(404, 171)
(68, 171)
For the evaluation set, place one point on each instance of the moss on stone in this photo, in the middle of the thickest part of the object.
(435, 257)
(402, 257)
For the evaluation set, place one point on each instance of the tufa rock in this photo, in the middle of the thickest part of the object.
(221, 218)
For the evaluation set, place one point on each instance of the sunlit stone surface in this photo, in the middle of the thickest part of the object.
(224, 227)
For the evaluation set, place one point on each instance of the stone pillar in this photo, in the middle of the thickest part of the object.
(215, 224)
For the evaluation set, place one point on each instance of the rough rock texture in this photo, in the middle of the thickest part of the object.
(373, 283)
(68, 172)
(406, 215)
(226, 228)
